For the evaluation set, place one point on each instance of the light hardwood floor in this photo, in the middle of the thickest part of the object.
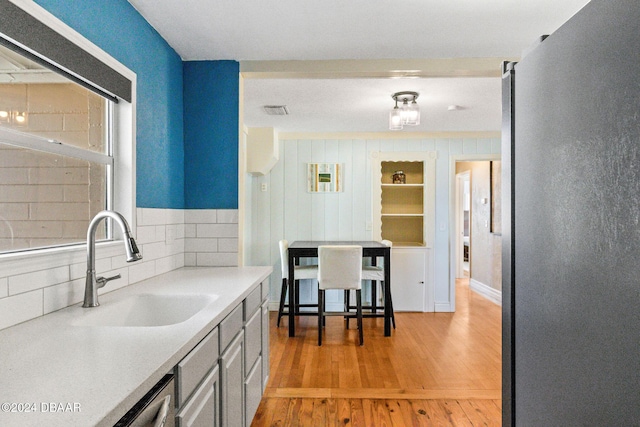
(437, 369)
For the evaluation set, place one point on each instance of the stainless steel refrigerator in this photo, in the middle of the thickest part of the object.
(571, 246)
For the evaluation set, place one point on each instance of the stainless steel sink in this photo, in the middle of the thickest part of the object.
(145, 310)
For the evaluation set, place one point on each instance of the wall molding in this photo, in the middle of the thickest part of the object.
(385, 135)
(486, 291)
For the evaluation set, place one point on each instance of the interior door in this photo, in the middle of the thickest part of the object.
(576, 213)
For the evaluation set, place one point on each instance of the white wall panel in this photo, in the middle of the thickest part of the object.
(292, 213)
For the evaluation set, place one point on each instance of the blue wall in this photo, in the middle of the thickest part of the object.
(211, 96)
(182, 161)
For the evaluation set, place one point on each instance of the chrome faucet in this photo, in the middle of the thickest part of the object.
(94, 283)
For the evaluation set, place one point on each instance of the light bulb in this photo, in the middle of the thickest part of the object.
(20, 117)
(4, 114)
(395, 119)
(413, 114)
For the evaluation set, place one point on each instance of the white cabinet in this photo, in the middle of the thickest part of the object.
(404, 213)
(409, 274)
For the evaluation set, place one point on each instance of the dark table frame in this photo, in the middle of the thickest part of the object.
(309, 249)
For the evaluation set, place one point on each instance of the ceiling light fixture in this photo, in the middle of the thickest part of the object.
(406, 115)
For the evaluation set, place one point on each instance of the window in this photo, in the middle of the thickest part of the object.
(56, 156)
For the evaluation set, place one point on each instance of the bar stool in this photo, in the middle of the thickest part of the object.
(301, 272)
(339, 267)
(375, 273)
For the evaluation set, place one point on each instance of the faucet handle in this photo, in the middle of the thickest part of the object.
(103, 280)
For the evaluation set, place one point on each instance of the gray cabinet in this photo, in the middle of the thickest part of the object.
(265, 342)
(203, 409)
(221, 381)
(232, 383)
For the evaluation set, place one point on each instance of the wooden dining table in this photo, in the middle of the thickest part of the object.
(370, 249)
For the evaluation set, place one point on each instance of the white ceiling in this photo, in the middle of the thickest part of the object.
(305, 30)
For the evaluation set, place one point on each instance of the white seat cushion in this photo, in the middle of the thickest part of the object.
(306, 272)
(372, 273)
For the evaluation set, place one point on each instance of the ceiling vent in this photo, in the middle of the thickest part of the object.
(276, 110)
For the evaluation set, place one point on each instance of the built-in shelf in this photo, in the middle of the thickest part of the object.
(400, 210)
(405, 215)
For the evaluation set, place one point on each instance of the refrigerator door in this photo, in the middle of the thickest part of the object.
(576, 207)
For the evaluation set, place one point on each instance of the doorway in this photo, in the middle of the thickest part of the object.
(473, 177)
(463, 224)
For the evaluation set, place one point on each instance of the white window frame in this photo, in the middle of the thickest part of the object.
(123, 161)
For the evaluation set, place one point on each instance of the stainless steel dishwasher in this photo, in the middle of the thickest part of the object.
(155, 409)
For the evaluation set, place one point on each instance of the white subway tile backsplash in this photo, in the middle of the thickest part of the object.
(201, 216)
(168, 239)
(20, 308)
(153, 217)
(146, 234)
(227, 216)
(190, 230)
(161, 232)
(63, 295)
(201, 245)
(175, 216)
(152, 251)
(217, 230)
(190, 259)
(141, 270)
(228, 245)
(216, 260)
(38, 279)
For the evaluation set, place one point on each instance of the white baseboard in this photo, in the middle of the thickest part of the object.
(443, 307)
(488, 292)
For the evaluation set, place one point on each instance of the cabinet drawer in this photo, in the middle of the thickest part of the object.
(252, 339)
(253, 391)
(230, 326)
(252, 302)
(265, 290)
(204, 407)
(193, 368)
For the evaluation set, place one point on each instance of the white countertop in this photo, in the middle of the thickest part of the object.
(97, 373)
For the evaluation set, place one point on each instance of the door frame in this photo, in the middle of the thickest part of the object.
(460, 179)
(453, 159)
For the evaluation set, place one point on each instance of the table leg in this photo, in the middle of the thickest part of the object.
(374, 287)
(292, 298)
(387, 293)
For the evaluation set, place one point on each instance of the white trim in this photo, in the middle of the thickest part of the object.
(384, 135)
(452, 214)
(34, 142)
(486, 291)
(459, 241)
(443, 307)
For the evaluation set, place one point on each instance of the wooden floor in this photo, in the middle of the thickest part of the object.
(437, 369)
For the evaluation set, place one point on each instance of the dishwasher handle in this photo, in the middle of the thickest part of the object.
(161, 419)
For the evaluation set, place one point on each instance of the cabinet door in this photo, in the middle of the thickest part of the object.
(252, 339)
(265, 344)
(253, 391)
(203, 408)
(408, 279)
(232, 383)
